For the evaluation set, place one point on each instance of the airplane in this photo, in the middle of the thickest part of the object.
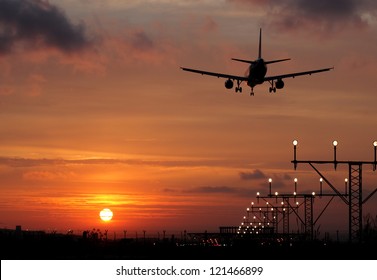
(256, 73)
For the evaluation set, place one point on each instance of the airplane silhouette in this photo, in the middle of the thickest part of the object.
(256, 73)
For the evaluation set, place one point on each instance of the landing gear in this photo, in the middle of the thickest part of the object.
(238, 88)
(252, 92)
(272, 87)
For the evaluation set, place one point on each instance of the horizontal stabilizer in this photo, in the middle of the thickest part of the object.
(274, 61)
(254, 61)
(243, 60)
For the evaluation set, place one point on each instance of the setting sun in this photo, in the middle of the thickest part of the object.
(106, 215)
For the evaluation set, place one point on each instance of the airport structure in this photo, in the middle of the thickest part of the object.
(264, 230)
(273, 217)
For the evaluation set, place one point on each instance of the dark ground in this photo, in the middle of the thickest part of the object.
(62, 247)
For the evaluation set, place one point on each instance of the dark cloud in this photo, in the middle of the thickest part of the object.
(320, 8)
(222, 190)
(324, 15)
(141, 41)
(37, 23)
(209, 189)
(257, 174)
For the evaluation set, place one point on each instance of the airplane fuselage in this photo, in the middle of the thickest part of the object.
(257, 72)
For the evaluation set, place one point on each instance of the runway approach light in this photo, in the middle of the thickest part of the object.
(335, 143)
(294, 153)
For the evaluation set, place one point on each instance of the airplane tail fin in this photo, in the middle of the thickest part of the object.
(260, 54)
(260, 43)
(260, 51)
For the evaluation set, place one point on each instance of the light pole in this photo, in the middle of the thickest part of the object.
(335, 143)
(320, 186)
(295, 192)
(294, 153)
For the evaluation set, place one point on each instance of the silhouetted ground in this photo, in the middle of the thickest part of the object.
(60, 247)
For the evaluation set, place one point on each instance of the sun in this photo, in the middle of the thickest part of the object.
(106, 215)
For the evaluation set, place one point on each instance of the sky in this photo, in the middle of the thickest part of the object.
(96, 112)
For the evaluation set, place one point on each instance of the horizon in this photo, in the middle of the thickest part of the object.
(98, 114)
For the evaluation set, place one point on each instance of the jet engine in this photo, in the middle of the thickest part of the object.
(229, 84)
(279, 84)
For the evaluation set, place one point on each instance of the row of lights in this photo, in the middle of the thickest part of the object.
(268, 207)
(296, 180)
(254, 227)
(335, 143)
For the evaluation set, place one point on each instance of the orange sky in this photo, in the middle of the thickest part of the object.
(97, 113)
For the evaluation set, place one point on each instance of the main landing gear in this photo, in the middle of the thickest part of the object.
(272, 87)
(279, 84)
(238, 88)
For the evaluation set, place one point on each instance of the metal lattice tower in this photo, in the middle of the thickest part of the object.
(355, 200)
(287, 209)
(286, 217)
(308, 204)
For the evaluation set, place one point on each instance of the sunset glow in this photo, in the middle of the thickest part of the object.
(96, 112)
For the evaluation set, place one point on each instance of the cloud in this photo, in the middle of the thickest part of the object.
(45, 175)
(221, 190)
(217, 189)
(32, 162)
(257, 174)
(141, 41)
(278, 180)
(322, 15)
(36, 24)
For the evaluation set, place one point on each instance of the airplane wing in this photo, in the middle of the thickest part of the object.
(218, 75)
(292, 75)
